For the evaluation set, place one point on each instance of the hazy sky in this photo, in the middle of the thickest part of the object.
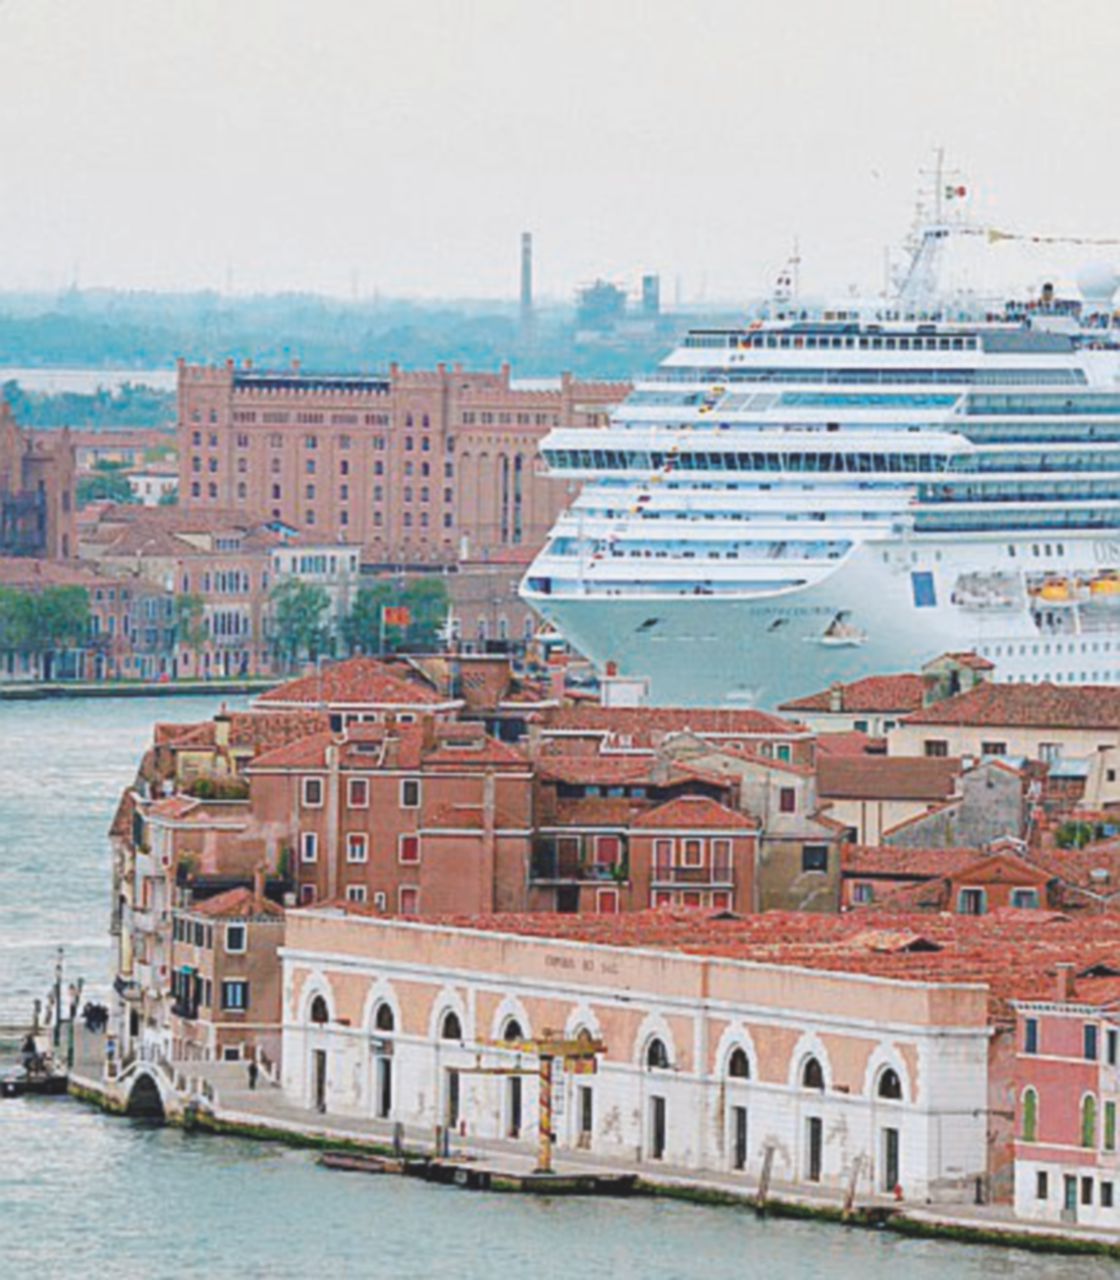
(402, 145)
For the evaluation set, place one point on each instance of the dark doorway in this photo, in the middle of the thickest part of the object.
(586, 1114)
(319, 1078)
(816, 1146)
(738, 1137)
(384, 1087)
(657, 1128)
(452, 1099)
(567, 899)
(513, 1129)
(891, 1172)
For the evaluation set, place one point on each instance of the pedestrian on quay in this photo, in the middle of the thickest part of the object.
(253, 1072)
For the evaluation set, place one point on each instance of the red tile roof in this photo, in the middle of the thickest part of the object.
(972, 660)
(850, 742)
(694, 813)
(1041, 706)
(653, 723)
(237, 904)
(355, 682)
(890, 862)
(871, 694)
(1000, 950)
(885, 777)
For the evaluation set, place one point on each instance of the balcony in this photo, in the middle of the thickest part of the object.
(566, 864)
(721, 873)
(185, 1009)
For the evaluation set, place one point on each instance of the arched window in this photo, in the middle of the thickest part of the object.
(513, 1031)
(890, 1086)
(739, 1065)
(1088, 1121)
(656, 1054)
(1030, 1116)
(319, 1012)
(383, 1019)
(812, 1075)
(451, 1028)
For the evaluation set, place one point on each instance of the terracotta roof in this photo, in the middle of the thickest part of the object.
(972, 660)
(891, 862)
(306, 753)
(353, 682)
(655, 722)
(237, 904)
(885, 777)
(998, 950)
(1043, 706)
(591, 811)
(871, 694)
(694, 813)
(247, 729)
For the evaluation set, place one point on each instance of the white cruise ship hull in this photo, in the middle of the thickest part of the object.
(712, 651)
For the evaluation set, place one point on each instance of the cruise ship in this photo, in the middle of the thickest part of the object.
(826, 491)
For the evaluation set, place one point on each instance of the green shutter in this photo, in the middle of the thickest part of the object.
(1110, 1126)
(1030, 1116)
(1089, 1121)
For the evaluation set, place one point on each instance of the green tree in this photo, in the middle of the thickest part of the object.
(427, 602)
(104, 485)
(361, 628)
(190, 622)
(61, 617)
(298, 622)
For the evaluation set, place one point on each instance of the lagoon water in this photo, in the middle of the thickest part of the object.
(83, 1194)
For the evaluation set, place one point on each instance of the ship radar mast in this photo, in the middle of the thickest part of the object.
(938, 216)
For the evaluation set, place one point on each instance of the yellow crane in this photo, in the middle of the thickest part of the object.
(579, 1054)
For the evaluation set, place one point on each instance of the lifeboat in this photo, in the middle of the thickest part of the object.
(1106, 586)
(1056, 591)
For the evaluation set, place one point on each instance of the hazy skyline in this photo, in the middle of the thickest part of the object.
(402, 147)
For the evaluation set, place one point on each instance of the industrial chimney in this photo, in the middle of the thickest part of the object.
(526, 285)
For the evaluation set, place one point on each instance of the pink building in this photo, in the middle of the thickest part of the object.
(418, 468)
(1067, 1167)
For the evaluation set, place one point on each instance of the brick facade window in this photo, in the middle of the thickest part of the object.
(408, 850)
(312, 793)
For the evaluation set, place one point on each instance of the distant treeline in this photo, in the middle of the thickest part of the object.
(99, 329)
(128, 406)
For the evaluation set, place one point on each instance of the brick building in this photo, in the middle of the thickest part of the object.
(419, 468)
(36, 491)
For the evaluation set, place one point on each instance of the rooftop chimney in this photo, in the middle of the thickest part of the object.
(1064, 986)
(258, 888)
(526, 277)
(836, 697)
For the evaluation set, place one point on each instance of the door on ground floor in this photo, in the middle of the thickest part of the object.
(656, 1128)
(1069, 1198)
(319, 1079)
(384, 1087)
(814, 1135)
(452, 1099)
(513, 1107)
(891, 1169)
(738, 1137)
(586, 1115)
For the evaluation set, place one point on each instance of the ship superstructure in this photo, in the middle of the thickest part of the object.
(827, 491)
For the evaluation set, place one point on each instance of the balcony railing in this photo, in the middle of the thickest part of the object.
(712, 873)
(551, 864)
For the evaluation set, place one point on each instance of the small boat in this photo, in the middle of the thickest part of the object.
(361, 1162)
(32, 1080)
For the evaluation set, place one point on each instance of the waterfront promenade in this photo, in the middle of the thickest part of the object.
(219, 1100)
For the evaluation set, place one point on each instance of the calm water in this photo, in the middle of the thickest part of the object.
(81, 1193)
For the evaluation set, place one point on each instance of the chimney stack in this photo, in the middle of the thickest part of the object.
(1064, 986)
(836, 697)
(526, 316)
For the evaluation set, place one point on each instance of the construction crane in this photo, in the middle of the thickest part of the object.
(579, 1054)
